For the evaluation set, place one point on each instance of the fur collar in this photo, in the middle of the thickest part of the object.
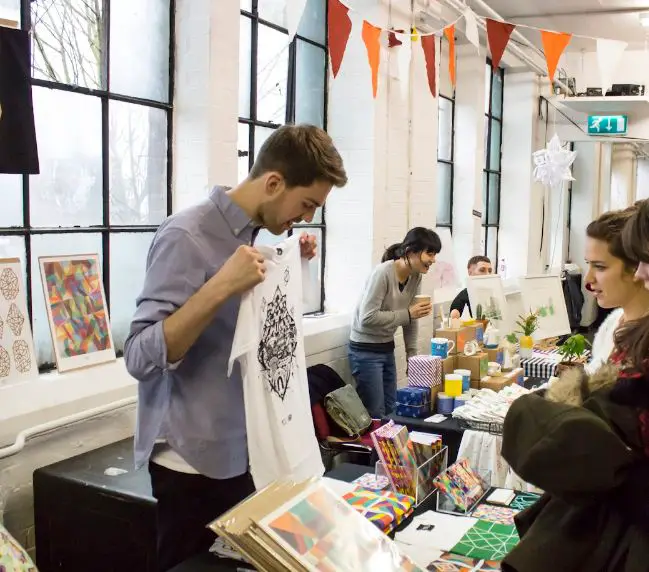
(574, 385)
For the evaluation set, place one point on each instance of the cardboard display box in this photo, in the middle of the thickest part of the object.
(496, 355)
(495, 383)
(459, 336)
(449, 365)
(477, 364)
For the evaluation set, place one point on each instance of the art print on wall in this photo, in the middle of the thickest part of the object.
(544, 294)
(17, 358)
(488, 293)
(76, 310)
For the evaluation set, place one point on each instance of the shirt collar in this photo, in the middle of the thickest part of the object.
(238, 221)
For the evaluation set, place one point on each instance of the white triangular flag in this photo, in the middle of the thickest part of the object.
(404, 53)
(609, 53)
(471, 28)
(294, 12)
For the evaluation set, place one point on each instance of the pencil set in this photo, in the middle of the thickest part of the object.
(461, 484)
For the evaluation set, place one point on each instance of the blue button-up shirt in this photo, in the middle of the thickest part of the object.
(192, 405)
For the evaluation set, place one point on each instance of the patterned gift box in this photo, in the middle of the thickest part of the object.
(413, 396)
(425, 371)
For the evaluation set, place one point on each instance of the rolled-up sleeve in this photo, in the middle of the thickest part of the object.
(175, 270)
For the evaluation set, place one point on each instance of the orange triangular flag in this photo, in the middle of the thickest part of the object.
(371, 36)
(449, 32)
(498, 34)
(428, 45)
(553, 45)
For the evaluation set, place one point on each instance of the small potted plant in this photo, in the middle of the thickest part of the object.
(572, 351)
(480, 317)
(528, 325)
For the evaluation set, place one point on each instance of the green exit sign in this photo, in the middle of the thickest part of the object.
(607, 124)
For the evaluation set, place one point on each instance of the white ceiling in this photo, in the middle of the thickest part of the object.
(614, 19)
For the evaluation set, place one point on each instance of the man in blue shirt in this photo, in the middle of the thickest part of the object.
(191, 420)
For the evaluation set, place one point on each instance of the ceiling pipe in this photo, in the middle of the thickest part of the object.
(459, 7)
(605, 12)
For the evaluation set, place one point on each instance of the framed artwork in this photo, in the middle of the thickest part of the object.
(488, 292)
(17, 358)
(76, 310)
(544, 294)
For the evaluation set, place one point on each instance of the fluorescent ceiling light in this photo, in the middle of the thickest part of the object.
(644, 19)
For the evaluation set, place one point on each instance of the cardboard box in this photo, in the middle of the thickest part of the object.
(477, 364)
(449, 365)
(478, 332)
(433, 397)
(475, 384)
(516, 376)
(495, 383)
(496, 355)
(458, 336)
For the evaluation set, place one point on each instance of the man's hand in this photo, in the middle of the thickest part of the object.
(242, 271)
(308, 245)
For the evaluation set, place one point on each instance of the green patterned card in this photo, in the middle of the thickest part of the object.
(487, 540)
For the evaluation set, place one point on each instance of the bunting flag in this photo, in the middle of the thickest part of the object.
(371, 36)
(340, 26)
(471, 28)
(294, 12)
(554, 43)
(449, 32)
(609, 53)
(498, 34)
(393, 40)
(414, 34)
(428, 45)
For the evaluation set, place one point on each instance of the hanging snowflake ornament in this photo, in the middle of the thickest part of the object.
(552, 165)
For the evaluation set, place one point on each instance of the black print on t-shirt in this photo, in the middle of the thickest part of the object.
(276, 351)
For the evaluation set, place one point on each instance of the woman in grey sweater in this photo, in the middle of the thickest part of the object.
(387, 303)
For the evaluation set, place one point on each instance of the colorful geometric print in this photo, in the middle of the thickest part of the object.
(448, 562)
(524, 500)
(492, 513)
(77, 306)
(487, 541)
(12, 556)
(386, 509)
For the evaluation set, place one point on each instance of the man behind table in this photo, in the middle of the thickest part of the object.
(477, 266)
(190, 421)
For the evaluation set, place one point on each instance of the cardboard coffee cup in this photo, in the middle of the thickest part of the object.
(423, 298)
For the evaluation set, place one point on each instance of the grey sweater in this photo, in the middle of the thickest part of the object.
(383, 308)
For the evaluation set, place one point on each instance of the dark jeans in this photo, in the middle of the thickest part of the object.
(186, 505)
(376, 380)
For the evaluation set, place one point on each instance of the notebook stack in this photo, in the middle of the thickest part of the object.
(304, 527)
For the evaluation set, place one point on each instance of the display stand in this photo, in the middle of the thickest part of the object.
(462, 503)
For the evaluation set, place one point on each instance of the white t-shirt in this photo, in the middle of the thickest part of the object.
(269, 344)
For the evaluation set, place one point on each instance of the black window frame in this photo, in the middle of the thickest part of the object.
(451, 161)
(106, 229)
(252, 122)
(487, 170)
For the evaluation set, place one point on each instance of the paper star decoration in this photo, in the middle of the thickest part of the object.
(553, 164)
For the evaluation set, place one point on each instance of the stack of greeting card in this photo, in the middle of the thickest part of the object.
(461, 484)
(304, 527)
(385, 509)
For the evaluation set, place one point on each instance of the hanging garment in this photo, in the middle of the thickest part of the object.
(269, 345)
(18, 149)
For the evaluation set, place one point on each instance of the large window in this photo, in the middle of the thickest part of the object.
(102, 75)
(282, 83)
(445, 141)
(492, 170)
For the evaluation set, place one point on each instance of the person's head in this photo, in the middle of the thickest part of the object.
(610, 275)
(418, 249)
(635, 240)
(293, 173)
(479, 266)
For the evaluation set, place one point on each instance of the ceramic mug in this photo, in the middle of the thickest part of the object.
(493, 368)
(471, 348)
(441, 347)
(466, 378)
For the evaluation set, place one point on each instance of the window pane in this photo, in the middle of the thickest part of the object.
(11, 213)
(245, 47)
(485, 180)
(483, 240)
(494, 198)
(67, 42)
(10, 10)
(497, 94)
(138, 164)
(444, 190)
(261, 134)
(246, 5)
(445, 85)
(492, 245)
(494, 146)
(486, 141)
(310, 84)
(312, 282)
(445, 130)
(243, 151)
(139, 27)
(272, 10)
(68, 190)
(272, 75)
(14, 247)
(312, 25)
(487, 87)
(128, 252)
(53, 245)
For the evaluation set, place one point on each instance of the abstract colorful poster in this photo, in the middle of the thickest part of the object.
(455, 563)
(76, 309)
(327, 535)
(17, 358)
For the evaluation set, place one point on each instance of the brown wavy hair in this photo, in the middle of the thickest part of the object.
(635, 236)
(609, 228)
